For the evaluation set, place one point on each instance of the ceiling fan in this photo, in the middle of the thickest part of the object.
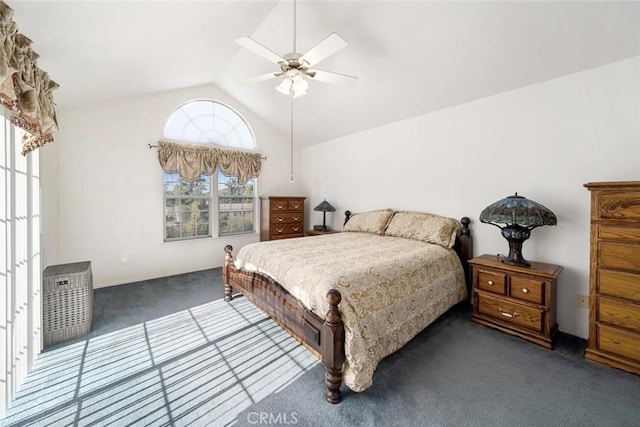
(296, 67)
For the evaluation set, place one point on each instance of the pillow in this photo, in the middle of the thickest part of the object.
(425, 227)
(369, 222)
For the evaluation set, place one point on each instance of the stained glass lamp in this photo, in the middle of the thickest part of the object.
(520, 215)
(324, 207)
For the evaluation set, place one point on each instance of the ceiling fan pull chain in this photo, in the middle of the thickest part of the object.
(294, 26)
(291, 138)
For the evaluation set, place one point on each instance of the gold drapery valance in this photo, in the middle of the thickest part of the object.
(25, 89)
(191, 161)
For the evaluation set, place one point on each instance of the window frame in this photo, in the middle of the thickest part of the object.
(214, 198)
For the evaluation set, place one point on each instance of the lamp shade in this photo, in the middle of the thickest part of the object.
(518, 210)
(520, 215)
(324, 206)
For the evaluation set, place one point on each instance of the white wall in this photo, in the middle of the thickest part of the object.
(543, 141)
(103, 197)
(50, 198)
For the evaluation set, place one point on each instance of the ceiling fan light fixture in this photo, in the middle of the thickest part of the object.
(299, 86)
(285, 86)
(297, 66)
(294, 84)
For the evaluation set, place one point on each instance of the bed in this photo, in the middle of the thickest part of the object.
(352, 298)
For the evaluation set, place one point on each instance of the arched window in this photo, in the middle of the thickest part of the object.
(212, 206)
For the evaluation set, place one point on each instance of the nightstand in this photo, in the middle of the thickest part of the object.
(318, 233)
(516, 300)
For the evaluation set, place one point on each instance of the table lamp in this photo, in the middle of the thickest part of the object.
(520, 215)
(323, 207)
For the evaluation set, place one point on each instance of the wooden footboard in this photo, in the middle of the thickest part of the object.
(322, 337)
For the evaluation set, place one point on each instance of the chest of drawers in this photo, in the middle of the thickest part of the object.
(614, 285)
(517, 300)
(281, 217)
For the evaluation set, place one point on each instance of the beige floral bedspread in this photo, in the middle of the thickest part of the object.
(391, 287)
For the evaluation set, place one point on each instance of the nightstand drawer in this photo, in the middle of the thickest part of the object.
(285, 218)
(521, 315)
(619, 342)
(613, 312)
(492, 281)
(525, 289)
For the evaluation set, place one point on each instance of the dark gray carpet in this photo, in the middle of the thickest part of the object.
(457, 373)
(170, 352)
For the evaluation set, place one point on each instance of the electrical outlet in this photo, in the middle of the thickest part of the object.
(124, 260)
(583, 301)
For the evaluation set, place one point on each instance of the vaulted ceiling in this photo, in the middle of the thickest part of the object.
(411, 57)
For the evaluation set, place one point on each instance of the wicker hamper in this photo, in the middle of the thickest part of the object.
(67, 301)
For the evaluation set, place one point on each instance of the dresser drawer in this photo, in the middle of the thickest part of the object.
(617, 313)
(528, 317)
(623, 256)
(279, 205)
(619, 284)
(492, 281)
(282, 229)
(296, 205)
(285, 218)
(619, 233)
(526, 289)
(619, 342)
(285, 236)
(620, 205)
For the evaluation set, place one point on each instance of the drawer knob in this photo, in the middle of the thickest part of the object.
(490, 283)
(296, 218)
(280, 206)
(507, 314)
(279, 230)
(280, 219)
(525, 290)
(296, 229)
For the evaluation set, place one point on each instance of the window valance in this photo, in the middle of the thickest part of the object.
(25, 89)
(191, 161)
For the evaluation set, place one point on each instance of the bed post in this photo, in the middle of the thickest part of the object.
(332, 346)
(464, 244)
(226, 273)
(347, 215)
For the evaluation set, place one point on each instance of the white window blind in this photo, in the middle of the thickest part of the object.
(20, 269)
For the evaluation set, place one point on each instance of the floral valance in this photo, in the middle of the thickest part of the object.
(191, 161)
(25, 89)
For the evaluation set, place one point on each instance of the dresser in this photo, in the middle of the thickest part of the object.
(281, 217)
(517, 300)
(614, 286)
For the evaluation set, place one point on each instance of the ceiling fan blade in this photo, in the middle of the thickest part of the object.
(263, 77)
(257, 48)
(327, 47)
(333, 78)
